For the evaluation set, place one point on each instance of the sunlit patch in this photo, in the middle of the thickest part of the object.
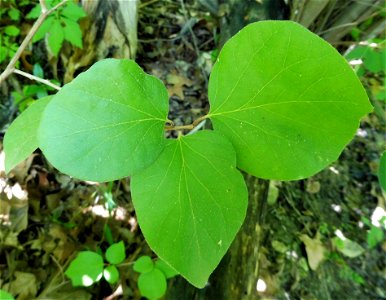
(361, 132)
(98, 210)
(261, 286)
(340, 234)
(336, 208)
(87, 280)
(376, 218)
(334, 170)
(18, 192)
(92, 182)
(292, 255)
(107, 274)
(356, 62)
(133, 223)
(12, 192)
(3, 184)
(361, 224)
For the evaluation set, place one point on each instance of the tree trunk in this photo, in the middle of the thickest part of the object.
(237, 274)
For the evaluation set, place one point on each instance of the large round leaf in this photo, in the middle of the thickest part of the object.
(191, 202)
(107, 123)
(286, 99)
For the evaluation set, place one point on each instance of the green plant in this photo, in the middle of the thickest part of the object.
(382, 171)
(5, 295)
(283, 102)
(60, 26)
(30, 92)
(88, 267)
(9, 13)
(370, 59)
(153, 276)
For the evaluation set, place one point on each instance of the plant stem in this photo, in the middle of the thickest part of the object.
(187, 127)
(32, 77)
(44, 14)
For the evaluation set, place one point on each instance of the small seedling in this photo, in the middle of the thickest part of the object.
(153, 276)
(88, 267)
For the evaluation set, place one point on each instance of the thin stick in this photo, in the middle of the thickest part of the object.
(11, 66)
(43, 5)
(187, 127)
(32, 77)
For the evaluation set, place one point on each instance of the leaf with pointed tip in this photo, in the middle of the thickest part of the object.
(191, 201)
(287, 100)
(20, 139)
(115, 254)
(106, 124)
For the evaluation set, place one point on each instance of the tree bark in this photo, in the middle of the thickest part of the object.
(237, 274)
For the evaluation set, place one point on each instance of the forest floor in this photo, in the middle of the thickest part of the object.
(319, 237)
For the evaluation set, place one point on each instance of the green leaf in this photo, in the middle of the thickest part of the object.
(3, 53)
(34, 13)
(115, 254)
(107, 123)
(382, 171)
(286, 99)
(111, 274)
(12, 30)
(152, 285)
(73, 11)
(108, 234)
(374, 236)
(168, 271)
(85, 269)
(192, 200)
(32, 90)
(72, 33)
(38, 70)
(56, 37)
(20, 139)
(374, 61)
(5, 295)
(357, 53)
(14, 14)
(143, 264)
(43, 29)
(348, 247)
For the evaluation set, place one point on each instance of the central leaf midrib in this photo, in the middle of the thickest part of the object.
(190, 200)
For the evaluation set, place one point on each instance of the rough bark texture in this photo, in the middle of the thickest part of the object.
(236, 276)
(110, 30)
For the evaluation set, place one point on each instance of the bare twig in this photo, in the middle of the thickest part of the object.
(43, 5)
(44, 14)
(188, 127)
(32, 77)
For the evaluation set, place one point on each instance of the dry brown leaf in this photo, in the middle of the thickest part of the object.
(177, 83)
(24, 286)
(315, 250)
